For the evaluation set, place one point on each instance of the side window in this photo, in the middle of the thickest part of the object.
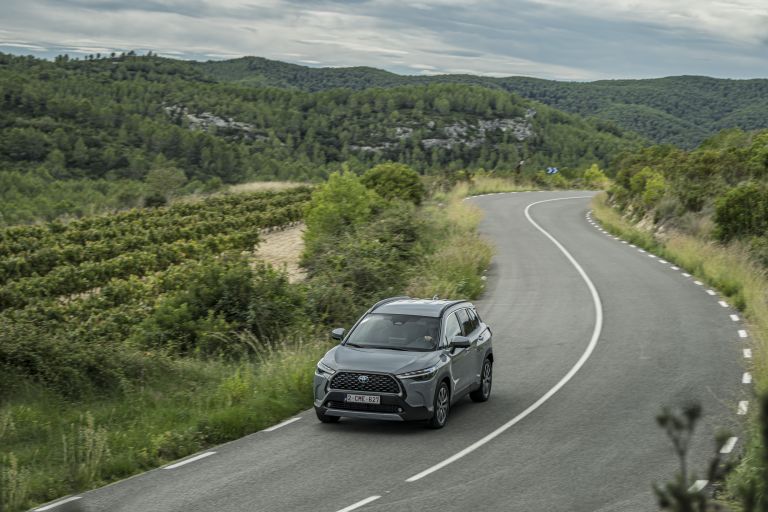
(466, 323)
(473, 318)
(452, 328)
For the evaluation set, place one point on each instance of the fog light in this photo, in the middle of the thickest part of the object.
(399, 409)
(327, 404)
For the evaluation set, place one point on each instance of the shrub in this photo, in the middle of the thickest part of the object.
(742, 211)
(595, 178)
(395, 181)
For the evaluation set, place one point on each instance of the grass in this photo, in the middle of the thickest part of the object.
(729, 269)
(459, 256)
(262, 186)
(54, 448)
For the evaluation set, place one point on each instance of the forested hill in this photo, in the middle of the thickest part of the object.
(682, 110)
(105, 124)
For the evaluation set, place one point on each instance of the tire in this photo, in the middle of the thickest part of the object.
(324, 418)
(442, 406)
(483, 393)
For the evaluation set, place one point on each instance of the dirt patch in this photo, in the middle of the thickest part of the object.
(262, 186)
(282, 249)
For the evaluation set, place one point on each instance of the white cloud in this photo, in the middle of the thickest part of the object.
(547, 38)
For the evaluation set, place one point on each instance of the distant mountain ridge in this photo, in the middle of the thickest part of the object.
(680, 110)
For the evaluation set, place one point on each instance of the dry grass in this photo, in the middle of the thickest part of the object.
(282, 249)
(262, 186)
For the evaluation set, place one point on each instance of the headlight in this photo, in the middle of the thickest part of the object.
(425, 374)
(324, 370)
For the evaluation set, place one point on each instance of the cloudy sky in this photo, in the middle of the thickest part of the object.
(561, 39)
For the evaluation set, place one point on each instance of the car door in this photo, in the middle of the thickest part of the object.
(461, 359)
(470, 327)
(480, 340)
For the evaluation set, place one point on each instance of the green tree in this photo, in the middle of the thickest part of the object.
(165, 181)
(395, 181)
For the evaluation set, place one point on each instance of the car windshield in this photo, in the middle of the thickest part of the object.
(396, 332)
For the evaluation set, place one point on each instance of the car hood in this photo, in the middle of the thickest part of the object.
(379, 360)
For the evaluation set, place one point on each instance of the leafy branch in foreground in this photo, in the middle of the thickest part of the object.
(682, 494)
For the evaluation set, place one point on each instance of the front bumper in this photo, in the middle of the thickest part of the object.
(415, 403)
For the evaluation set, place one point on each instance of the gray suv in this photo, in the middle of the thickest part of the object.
(406, 359)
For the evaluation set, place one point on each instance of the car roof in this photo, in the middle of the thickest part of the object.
(418, 307)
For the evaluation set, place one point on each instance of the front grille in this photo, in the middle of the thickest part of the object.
(375, 382)
(363, 407)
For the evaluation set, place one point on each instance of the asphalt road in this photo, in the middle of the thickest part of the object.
(654, 337)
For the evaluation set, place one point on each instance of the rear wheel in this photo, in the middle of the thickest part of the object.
(442, 406)
(324, 418)
(482, 393)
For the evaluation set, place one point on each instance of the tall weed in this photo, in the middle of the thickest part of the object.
(85, 451)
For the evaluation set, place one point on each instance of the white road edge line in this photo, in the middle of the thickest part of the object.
(674, 267)
(359, 504)
(284, 423)
(712, 292)
(742, 333)
(723, 303)
(698, 485)
(191, 459)
(56, 504)
(747, 353)
(743, 408)
(686, 274)
(729, 445)
(576, 367)
(735, 318)
(746, 378)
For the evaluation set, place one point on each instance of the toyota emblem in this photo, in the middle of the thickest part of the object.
(362, 378)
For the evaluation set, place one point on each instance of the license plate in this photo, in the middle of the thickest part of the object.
(363, 399)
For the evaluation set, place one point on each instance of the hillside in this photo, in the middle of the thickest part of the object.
(83, 136)
(682, 110)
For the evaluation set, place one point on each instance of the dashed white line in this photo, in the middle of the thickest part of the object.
(191, 459)
(698, 485)
(698, 283)
(284, 423)
(651, 255)
(743, 408)
(359, 504)
(735, 318)
(568, 376)
(747, 353)
(56, 504)
(746, 378)
(729, 445)
(723, 303)
(712, 292)
(640, 250)
(624, 242)
(674, 267)
(686, 274)
(633, 246)
(742, 333)
(663, 261)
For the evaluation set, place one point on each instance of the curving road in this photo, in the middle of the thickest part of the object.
(580, 375)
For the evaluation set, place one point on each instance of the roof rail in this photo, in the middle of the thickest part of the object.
(385, 301)
(450, 305)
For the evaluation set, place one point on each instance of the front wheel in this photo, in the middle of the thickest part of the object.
(483, 393)
(442, 406)
(324, 418)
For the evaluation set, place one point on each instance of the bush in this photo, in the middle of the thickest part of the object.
(337, 207)
(742, 211)
(395, 181)
(595, 178)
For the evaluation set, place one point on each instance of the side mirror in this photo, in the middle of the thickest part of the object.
(460, 342)
(338, 333)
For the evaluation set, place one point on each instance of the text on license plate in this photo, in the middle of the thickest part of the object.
(363, 399)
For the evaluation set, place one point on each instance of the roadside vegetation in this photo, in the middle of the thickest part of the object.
(135, 366)
(705, 210)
